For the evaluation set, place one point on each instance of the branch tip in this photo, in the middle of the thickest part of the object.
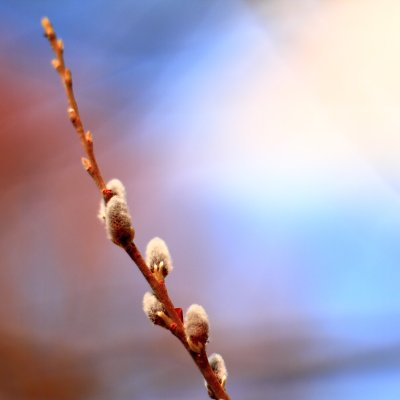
(48, 28)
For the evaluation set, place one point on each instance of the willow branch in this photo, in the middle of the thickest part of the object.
(175, 324)
(86, 138)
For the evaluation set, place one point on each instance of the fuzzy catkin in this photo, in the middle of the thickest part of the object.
(196, 327)
(118, 221)
(217, 364)
(158, 257)
(151, 306)
(118, 189)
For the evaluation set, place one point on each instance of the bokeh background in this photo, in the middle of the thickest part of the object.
(260, 139)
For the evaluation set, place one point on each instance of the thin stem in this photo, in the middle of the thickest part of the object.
(86, 139)
(90, 164)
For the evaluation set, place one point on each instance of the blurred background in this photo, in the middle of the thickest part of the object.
(260, 140)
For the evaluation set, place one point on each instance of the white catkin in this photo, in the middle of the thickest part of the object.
(118, 221)
(217, 364)
(158, 257)
(151, 306)
(196, 327)
(118, 188)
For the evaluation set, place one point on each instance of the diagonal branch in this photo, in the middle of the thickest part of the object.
(90, 164)
(86, 139)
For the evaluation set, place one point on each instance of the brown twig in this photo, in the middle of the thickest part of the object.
(90, 164)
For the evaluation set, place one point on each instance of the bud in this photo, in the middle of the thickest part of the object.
(118, 221)
(73, 116)
(48, 29)
(56, 64)
(89, 137)
(157, 257)
(196, 327)
(60, 45)
(86, 163)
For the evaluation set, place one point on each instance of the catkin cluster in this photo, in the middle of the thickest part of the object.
(195, 323)
(193, 330)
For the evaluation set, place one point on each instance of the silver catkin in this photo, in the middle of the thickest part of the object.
(118, 221)
(217, 364)
(158, 257)
(196, 327)
(119, 189)
(151, 306)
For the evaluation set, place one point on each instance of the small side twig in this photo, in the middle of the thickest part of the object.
(172, 320)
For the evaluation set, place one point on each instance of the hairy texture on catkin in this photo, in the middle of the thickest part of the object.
(101, 215)
(196, 327)
(151, 306)
(118, 189)
(118, 221)
(158, 257)
(155, 311)
(217, 364)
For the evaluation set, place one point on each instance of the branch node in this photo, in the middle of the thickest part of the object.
(56, 64)
(86, 164)
(73, 116)
(89, 138)
(60, 45)
(68, 77)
